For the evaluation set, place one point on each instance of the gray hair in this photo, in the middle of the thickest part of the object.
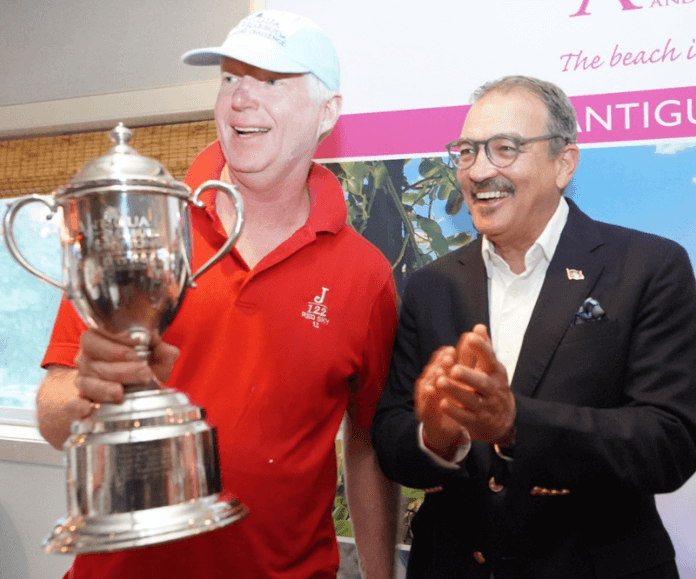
(319, 93)
(560, 119)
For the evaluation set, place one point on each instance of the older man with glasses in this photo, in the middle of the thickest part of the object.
(543, 379)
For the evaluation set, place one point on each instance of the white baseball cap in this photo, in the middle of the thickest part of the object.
(277, 41)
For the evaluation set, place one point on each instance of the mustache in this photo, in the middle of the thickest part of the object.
(493, 184)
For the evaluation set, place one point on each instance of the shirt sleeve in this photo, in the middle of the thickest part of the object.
(460, 453)
(377, 353)
(64, 342)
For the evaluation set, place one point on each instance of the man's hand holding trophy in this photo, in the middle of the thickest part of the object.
(144, 471)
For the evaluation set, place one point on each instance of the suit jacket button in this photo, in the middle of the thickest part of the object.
(494, 486)
(479, 557)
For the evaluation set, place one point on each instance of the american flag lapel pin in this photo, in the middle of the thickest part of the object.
(574, 274)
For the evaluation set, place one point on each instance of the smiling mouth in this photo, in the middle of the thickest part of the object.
(249, 131)
(491, 195)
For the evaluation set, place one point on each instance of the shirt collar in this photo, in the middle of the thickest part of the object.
(546, 243)
(328, 211)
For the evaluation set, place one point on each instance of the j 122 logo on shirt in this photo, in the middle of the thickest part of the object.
(317, 310)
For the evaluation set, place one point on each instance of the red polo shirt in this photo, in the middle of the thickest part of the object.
(267, 353)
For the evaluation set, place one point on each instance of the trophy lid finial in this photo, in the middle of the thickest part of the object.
(122, 168)
(121, 135)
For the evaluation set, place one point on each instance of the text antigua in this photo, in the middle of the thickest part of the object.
(636, 115)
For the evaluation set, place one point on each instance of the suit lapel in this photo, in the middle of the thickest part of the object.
(472, 288)
(559, 299)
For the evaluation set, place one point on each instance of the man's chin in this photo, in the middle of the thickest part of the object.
(488, 208)
(251, 167)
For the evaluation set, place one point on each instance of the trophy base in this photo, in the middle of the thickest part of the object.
(142, 472)
(118, 532)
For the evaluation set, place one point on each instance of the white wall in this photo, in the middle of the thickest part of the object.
(75, 65)
(59, 49)
(32, 499)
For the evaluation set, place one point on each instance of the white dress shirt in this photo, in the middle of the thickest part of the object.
(511, 299)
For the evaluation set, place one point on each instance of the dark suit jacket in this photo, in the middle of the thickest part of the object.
(606, 414)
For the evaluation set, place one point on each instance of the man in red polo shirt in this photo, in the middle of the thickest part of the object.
(287, 334)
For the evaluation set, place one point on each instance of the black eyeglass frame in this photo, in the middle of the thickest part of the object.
(516, 140)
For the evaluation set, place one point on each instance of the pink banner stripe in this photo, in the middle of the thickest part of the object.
(393, 133)
(606, 118)
(637, 116)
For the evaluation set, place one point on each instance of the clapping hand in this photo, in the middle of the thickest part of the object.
(477, 395)
(463, 393)
(441, 432)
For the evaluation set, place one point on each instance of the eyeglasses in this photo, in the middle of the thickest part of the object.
(501, 150)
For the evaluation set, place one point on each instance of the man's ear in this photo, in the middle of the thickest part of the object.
(330, 111)
(566, 164)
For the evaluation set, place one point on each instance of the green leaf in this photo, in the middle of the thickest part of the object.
(459, 239)
(343, 528)
(455, 200)
(442, 192)
(380, 174)
(412, 494)
(432, 229)
(429, 168)
(409, 197)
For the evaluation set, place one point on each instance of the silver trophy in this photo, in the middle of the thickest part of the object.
(145, 471)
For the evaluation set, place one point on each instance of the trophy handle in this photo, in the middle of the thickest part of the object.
(233, 194)
(11, 243)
